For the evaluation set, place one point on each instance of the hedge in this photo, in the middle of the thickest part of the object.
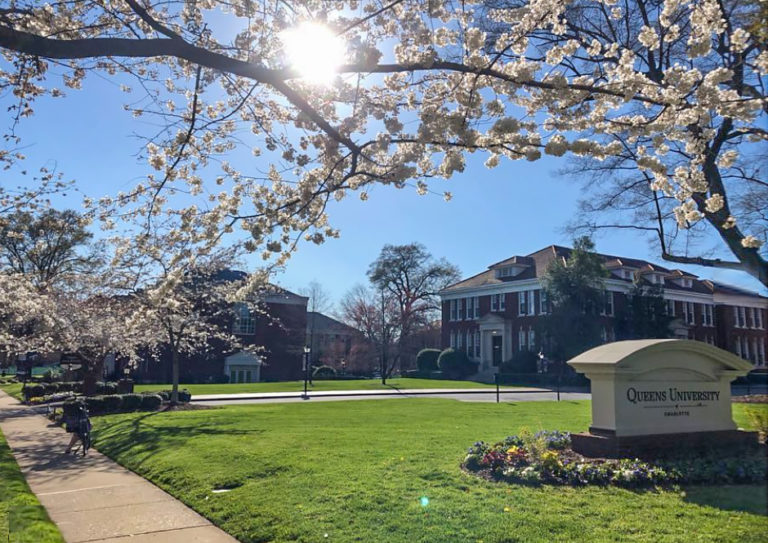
(184, 395)
(117, 403)
(323, 372)
(44, 389)
(426, 360)
(455, 364)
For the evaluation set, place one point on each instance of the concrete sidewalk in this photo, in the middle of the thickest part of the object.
(94, 499)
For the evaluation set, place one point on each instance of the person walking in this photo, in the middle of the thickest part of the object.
(77, 423)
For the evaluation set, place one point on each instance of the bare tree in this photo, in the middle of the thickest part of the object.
(375, 314)
(412, 277)
(318, 301)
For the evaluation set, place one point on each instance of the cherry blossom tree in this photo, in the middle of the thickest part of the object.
(26, 317)
(188, 297)
(92, 320)
(671, 90)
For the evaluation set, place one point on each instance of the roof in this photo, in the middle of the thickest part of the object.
(320, 323)
(271, 292)
(538, 262)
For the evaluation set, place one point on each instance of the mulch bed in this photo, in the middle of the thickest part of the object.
(752, 398)
(187, 407)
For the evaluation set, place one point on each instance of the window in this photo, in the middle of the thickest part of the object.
(759, 315)
(543, 302)
(603, 334)
(244, 323)
(494, 302)
(708, 316)
(742, 317)
(522, 298)
(460, 309)
(477, 307)
(745, 347)
(607, 308)
(531, 338)
(738, 346)
(453, 340)
(754, 350)
(671, 308)
(688, 314)
(531, 302)
(477, 344)
(521, 339)
(470, 303)
(453, 310)
(502, 302)
(761, 353)
(459, 338)
(751, 315)
(470, 344)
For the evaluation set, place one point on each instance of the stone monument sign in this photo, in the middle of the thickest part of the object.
(659, 394)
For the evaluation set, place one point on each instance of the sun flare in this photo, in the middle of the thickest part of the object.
(314, 51)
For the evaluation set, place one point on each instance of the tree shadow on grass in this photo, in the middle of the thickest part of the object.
(746, 498)
(157, 438)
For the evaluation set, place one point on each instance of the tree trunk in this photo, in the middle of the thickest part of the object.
(91, 375)
(175, 377)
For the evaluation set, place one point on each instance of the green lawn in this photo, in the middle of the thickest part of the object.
(20, 512)
(298, 386)
(13, 389)
(356, 471)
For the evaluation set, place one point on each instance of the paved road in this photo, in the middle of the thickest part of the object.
(522, 395)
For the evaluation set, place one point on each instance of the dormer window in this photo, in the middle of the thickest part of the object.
(508, 271)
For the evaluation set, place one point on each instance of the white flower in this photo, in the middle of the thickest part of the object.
(715, 203)
(649, 38)
(751, 242)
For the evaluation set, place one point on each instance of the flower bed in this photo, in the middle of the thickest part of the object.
(546, 457)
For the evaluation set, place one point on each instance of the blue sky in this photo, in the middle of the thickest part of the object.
(516, 208)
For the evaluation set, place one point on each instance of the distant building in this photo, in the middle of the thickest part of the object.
(492, 315)
(280, 329)
(330, 341)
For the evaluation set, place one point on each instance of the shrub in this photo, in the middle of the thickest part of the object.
(455, 364)
(426, 360)
(151, 402)
(522, 362)
(34, 391)
(107, 388)
(165, 395)
(95, 404)
(113, 403)
(324, 372)
(131, 402)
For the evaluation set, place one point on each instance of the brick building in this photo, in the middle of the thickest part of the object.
(280, 329)
(492, 315)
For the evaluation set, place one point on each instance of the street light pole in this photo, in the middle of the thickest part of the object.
(306, 371)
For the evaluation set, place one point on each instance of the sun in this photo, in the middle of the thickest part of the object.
(314, 51)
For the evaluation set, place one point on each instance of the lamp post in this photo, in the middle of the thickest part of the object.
(306, 370)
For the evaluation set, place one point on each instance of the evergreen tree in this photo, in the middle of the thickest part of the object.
(644, 316)
(575, 291)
